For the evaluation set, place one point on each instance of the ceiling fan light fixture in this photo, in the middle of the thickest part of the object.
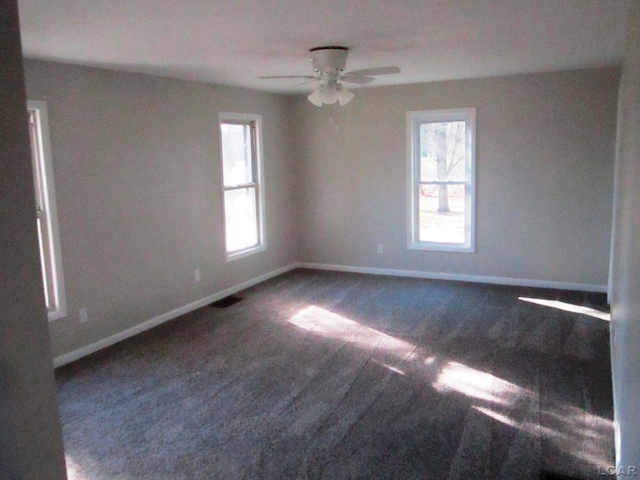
(344, 95)
(329, 93)
(315, 97)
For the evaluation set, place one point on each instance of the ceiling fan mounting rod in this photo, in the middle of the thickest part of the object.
(328, 78)
(329, 60)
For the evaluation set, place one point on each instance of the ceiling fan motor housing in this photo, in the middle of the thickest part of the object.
(331, 60)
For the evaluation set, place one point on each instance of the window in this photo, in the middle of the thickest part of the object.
(441, 179)
(46, 212)
(242, 184)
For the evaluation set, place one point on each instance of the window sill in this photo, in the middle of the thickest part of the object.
(245, 253)
(56, 315)
(441, 247)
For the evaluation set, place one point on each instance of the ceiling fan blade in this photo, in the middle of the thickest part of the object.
(308, 77)
(356, 78)
(375, 71)
(306, 82)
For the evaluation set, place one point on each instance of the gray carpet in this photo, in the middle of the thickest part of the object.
(336, 375)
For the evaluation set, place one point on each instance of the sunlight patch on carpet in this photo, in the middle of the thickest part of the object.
(73, 470)
(569, 428)
(477, 384)
(331, 325)
(569, 307)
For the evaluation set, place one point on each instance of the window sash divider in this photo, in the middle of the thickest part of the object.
(241, 186)
(446, 182)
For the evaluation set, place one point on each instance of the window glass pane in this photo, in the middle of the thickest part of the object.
(48, 241)
(236, 154)
(36, 160)
(45, 264)
(442, 151)
(240, 209)
(441, 214)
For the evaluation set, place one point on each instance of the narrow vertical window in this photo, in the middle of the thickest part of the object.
(441, 179)
(46, 212)
(242, 184)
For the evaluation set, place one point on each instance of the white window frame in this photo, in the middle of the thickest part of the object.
(257, 158)
(47, 212)
(414, 120)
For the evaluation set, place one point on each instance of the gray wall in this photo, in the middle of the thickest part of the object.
(137, 175)
(136, 166)
(545, 153)
(30, 435)
(625, 281)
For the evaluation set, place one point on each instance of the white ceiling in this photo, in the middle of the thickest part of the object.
(234, 42)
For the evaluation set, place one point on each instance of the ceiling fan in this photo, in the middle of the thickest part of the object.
(329, 64)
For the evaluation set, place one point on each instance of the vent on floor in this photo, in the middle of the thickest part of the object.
(226, 301)
(555, 476)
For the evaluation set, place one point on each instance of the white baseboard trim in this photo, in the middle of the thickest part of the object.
(520, 282)
(153, 322)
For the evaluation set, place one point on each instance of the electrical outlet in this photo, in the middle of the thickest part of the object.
(84, 315)
(380, 248)
(197, 275)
